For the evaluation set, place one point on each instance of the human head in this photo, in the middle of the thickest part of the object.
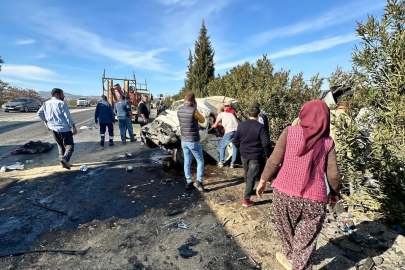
(343, 106)
(315, 121)
(227, 104)
(145, 98)
(256, 104)
(189, 97)
(254, 112)
(159, 99)
(58, 93)
(220, 109)
(104, 97)
(127, 98)
(122, 97)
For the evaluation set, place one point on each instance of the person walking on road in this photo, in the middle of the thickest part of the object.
(122, 109)
(230, 124)
(144, 113)
(305, 153)
(56, 116)
(105, 116)
(254, 145)
(190, 139)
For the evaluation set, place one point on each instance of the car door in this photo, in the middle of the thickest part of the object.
(31, 104)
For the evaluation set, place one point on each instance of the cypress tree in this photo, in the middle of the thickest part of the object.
(201, 69)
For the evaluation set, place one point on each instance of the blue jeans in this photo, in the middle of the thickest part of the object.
(227, 139)
(126, 122)
(195, 149)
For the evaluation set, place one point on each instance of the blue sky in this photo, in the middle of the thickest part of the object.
(67, 44)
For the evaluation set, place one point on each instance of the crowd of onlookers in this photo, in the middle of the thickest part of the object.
(304, 158)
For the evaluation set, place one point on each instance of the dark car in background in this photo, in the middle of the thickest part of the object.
(22, 105)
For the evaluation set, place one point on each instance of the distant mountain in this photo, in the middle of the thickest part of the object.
(47, 95)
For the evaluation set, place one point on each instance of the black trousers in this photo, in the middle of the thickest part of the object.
(103, 128)
(252, 172)
(65, 144)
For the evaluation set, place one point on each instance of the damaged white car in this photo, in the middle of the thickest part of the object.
(164, 131)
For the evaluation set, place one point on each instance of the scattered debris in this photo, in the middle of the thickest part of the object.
(215, 258)
(121, 156)
(68, 252)
(16, 166)
(3, 168)
(86, 127)
(185, 251)
(213, 225)
(52, 209)
(33, 148)
(83, 168)
(29, 161)
(174, 212)
(128, 154)
(255, 264)
(241, 259)
(226, 220)
(368, 264)
(130, 168)
(236, 235)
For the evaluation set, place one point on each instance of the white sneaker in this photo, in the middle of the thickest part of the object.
(220, 164)
(142, 143)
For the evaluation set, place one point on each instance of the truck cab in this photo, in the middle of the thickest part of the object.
(83, 101)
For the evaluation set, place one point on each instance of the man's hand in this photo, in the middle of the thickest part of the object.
(145, 120)
(74, 130)
(333, 200)
(261, 188)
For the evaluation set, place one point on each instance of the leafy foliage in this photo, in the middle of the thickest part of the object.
(8, 92)
(280, 95)
(379, 73)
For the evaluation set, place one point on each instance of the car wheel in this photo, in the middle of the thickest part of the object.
(26, 109)
(178, 156)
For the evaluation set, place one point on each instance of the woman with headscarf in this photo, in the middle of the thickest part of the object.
(305, 153)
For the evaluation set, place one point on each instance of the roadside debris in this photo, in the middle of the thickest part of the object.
(86, 127)
(16, 166)
(185, 251)
(174, 212)
(29, 161)
(33, 148)
(128, 154)
(49, 208)
(3, 168)
(255, 264)
(68, 252)
(83, 168)
(129, 169)
(121, 156)
(213, 225)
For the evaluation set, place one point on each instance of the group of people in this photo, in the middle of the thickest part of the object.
(56, 116)
(304, 157)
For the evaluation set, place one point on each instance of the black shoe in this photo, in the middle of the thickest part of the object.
(134, 140)
(190, 186)
(111, 143)
(123, 143)
(199, 186)
(102, 142)
(65, 163)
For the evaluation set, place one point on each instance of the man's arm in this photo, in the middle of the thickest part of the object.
(41, 113)
(68, 116)
(236, 138)
(264, 137)
(199, 117)
(143, 107)
(96, 114)
(112, 115)
(219, 119)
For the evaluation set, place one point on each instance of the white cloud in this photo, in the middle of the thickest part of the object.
(18, 72)
(332, 17)
(25, 42)
(41, 55)
(315, 46)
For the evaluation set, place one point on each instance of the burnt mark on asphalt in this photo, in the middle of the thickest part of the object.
(99, 193)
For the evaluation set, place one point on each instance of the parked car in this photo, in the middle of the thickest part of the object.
(22, 104)
(164, 131)
(83, 101)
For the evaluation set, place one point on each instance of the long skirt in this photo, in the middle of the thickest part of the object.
(298, 223)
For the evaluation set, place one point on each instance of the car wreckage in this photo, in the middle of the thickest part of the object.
(164, 131)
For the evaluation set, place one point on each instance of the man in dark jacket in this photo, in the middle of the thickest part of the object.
(254, 145)
(144, 113)
(105, 116)
(190, 139)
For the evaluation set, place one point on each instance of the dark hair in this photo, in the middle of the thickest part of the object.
(123, 97)
(56, 91)
(254, 111)
(127, 97)
(190, 97)
(103, 97)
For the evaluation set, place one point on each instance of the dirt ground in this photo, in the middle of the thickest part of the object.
(123, 217)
